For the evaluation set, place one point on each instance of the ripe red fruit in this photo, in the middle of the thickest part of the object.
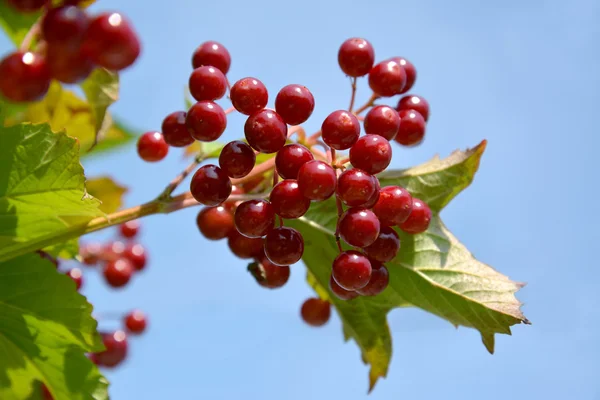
(27, 6)
(90, 253)
(215, 223)
(373, 200)
(129, 229)
(116, 349)
(295, 104)
(383, 121)
(284, 246)
(136, 254)
(412, 128)
(207, 83)
(394, 205)
(237, 159)
(244, 247)
(269, 275)
(385, 247)
(67, 67)
(232, 204)
(254, 218)
(152, 147)
(340, 130)
(355, 187)
(210, 185)
(287, 200)
(64, 27)
(290, 159)
(249, 95)
(212, 53)
(387, 78)
(206, 121)
(411, 73)
(315, 312)
(111, 42)
(135, 322)
(371, 153)
(419, 218)
(113, 250)
(340, 292)
(265, 131)
(175, 130)
(359, 227)
(77, 276)
(380, 278)
(351, 270)
(317, 180)
(24, 77)
(118, 272)
(46, 393)
(414, 102)
(356, 57)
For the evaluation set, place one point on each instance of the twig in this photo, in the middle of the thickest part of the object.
(368, 104)
(353, 96)
(179, 178)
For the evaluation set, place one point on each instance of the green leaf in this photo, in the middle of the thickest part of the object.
(107, 191)
(42, 191)
(101, 89)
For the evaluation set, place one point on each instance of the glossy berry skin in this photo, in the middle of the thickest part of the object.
(387, 78)
(111, 42)
(77, 276)
(359, 227)
(414, 102)
(385, 247)
(90, 253)
(151, 147)
(116, 349)
(411, 73)
(210, 185)
(295, 104)
(212, 53)
(340, 292)
(412, 128)
(24, 77)
(351, 270)
(355, 187)
(290, 159)
(380, 278)
(135, 322)
(394, 205)
(383, 121)
(27, 6)
(419, 218)
(237, 159)
(215, 223)
(254, 218)
(67, 67)
(136, 254)
(265, 131)
(129, 229)
(244, 247)
(371, 153)
(373, 200)
(64, 27)
(113, 250)
(207, 83)
(287, 199)
(118, 272)
(315, 312)
(340, 130)
(249, 95)
(175, 131)
(317, 180)
(284, 246)
(269, 275)
(356, 57)
(206, 121)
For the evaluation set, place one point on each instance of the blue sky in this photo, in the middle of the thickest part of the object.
(523, 76)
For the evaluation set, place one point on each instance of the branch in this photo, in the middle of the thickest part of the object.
(179, 178)
(368, 104)
(31, 35)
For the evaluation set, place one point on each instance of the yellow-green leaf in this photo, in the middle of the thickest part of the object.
(101, 89)
(107, 191)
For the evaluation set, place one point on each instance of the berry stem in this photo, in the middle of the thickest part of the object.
(353, 96)
(32, 34)
(166, 194)
(186, 200)
(257, 170)
(368, 104)
(229, 110)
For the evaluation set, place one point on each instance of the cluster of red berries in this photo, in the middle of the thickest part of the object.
(72, 44)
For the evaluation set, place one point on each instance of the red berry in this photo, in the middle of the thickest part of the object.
(231, 204)
(266, 131)
(340, 292)
(317, 180)
(387, 78)
(351, 270)
(411, 73)
(136, 254)
(113, 250)
(284, 246)
(359, 227)
(67, 67)
(46, 393)
(64, 27)
(90, 253)
(207, 83)
(269, 275)
(212, 53)
(244, 247)
(136, 322)
(383, 121)
(356, 57)
(295, 104)
(24, 77)
(394, 205)
(413, 102)
(215, 223)
(290, 158)
(340, 130)
(129, 229)
(249, 95)
(385, 247)
(373, 200)
(27, 6)
(210, 185)
(118, 272)
(355, 187)
(371, 153)
(175, 131)
(380, 278)
(77, 276)
(152, 147)
(315, 312)
(287, 200)
(254, 218)
(412, 128)
(116, 349)
(206, 121)
(237, 159)
(419, 218)
(111, 42)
